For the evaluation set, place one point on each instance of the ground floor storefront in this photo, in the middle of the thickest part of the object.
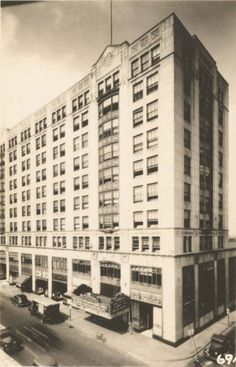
(171, 297)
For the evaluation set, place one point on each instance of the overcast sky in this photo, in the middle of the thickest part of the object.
(48, 46)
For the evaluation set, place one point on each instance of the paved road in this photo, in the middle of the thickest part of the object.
(65, 344)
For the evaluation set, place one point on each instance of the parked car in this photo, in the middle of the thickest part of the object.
(8, 341)
(20, 300)
(44, 360)
(57, 296)
(39, 290)
(46, 309)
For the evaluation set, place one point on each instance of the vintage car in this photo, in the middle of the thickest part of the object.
(9, 342)
(20, 300)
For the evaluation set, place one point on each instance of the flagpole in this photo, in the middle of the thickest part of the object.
(111, 18)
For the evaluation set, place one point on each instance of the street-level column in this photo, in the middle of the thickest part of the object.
(226, 280)
(95, 275)
(69, 275)
(7, 266)
(33, 273)
(49, 276)
(196, 280)
(215, 286)
(19, 263)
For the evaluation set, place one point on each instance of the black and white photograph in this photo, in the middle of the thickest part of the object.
(118, 183)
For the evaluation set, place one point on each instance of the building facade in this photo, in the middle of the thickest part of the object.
(121, 183)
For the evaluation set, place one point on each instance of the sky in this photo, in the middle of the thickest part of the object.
(47, 46)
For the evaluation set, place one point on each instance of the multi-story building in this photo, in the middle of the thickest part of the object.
(121, 183)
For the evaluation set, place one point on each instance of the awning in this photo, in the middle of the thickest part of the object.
(21, 280)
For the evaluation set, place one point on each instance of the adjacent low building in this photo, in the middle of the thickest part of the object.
(121, 184)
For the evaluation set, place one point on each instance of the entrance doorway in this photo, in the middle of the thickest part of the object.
(141, 315)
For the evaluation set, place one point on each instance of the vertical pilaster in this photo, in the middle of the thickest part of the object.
(33, 273)
(196, 280)
(49, 276)
(19, 263)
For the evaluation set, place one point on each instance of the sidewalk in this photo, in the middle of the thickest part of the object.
(6, 360)
(148, 350)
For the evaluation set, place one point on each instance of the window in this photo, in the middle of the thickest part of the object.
(76, 183)
(85, 223)
(100, 89)
(220, 221)
(155, 55)
(84, 140)
(55, 188)
(74, 104)
(85, 161)
(86, 98)
(134, 67)
(135, 244)
(220, 182)
(85, 119)
(62, 150)
(152, 83)
(84, 181)
(76, 203)
(62, 187)
(155, 244)
(62, 205)
(187, 112)
(76, 144)
(145, 244)
(62, 131)
(152, 191)
(108, 84)
(116, 243)
(138, 219)
(187, 244)
(76, 163)
(146, 275)
(187, 219)
(62, 168)
(152, 138)
(55, 206)
(138, 168)
(145, 61)
(187, 139)
(138, 194)
(220, 158)
(187, 165)
(137, 91)
(152, 218)
(62, 224)
(55, 170)
(55, 134)
(152, 164)
(152, 110)
(220, 138)
(85, 202)
(220, 117)
(116, 79)
(137, 117)
(43, 140)
(76, 123)
(55, 152)
(187, 191)
(76, 222)
(220, 242)
(137, 143)
(101, 243)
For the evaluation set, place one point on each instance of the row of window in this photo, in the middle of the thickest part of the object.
(84, 121)
(146, 60)
(12, 142)
(151, 167)
(84, 142)
(151, 140)
(151, 86)
(107, 85)
(152, 219)
(41, 125)
(81, 243)
(80, 101)
(146, 244)
(152, 192)
(59, 114)
(26, 134)
(151, 113)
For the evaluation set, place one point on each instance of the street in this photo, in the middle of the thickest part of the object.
(66, 345)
